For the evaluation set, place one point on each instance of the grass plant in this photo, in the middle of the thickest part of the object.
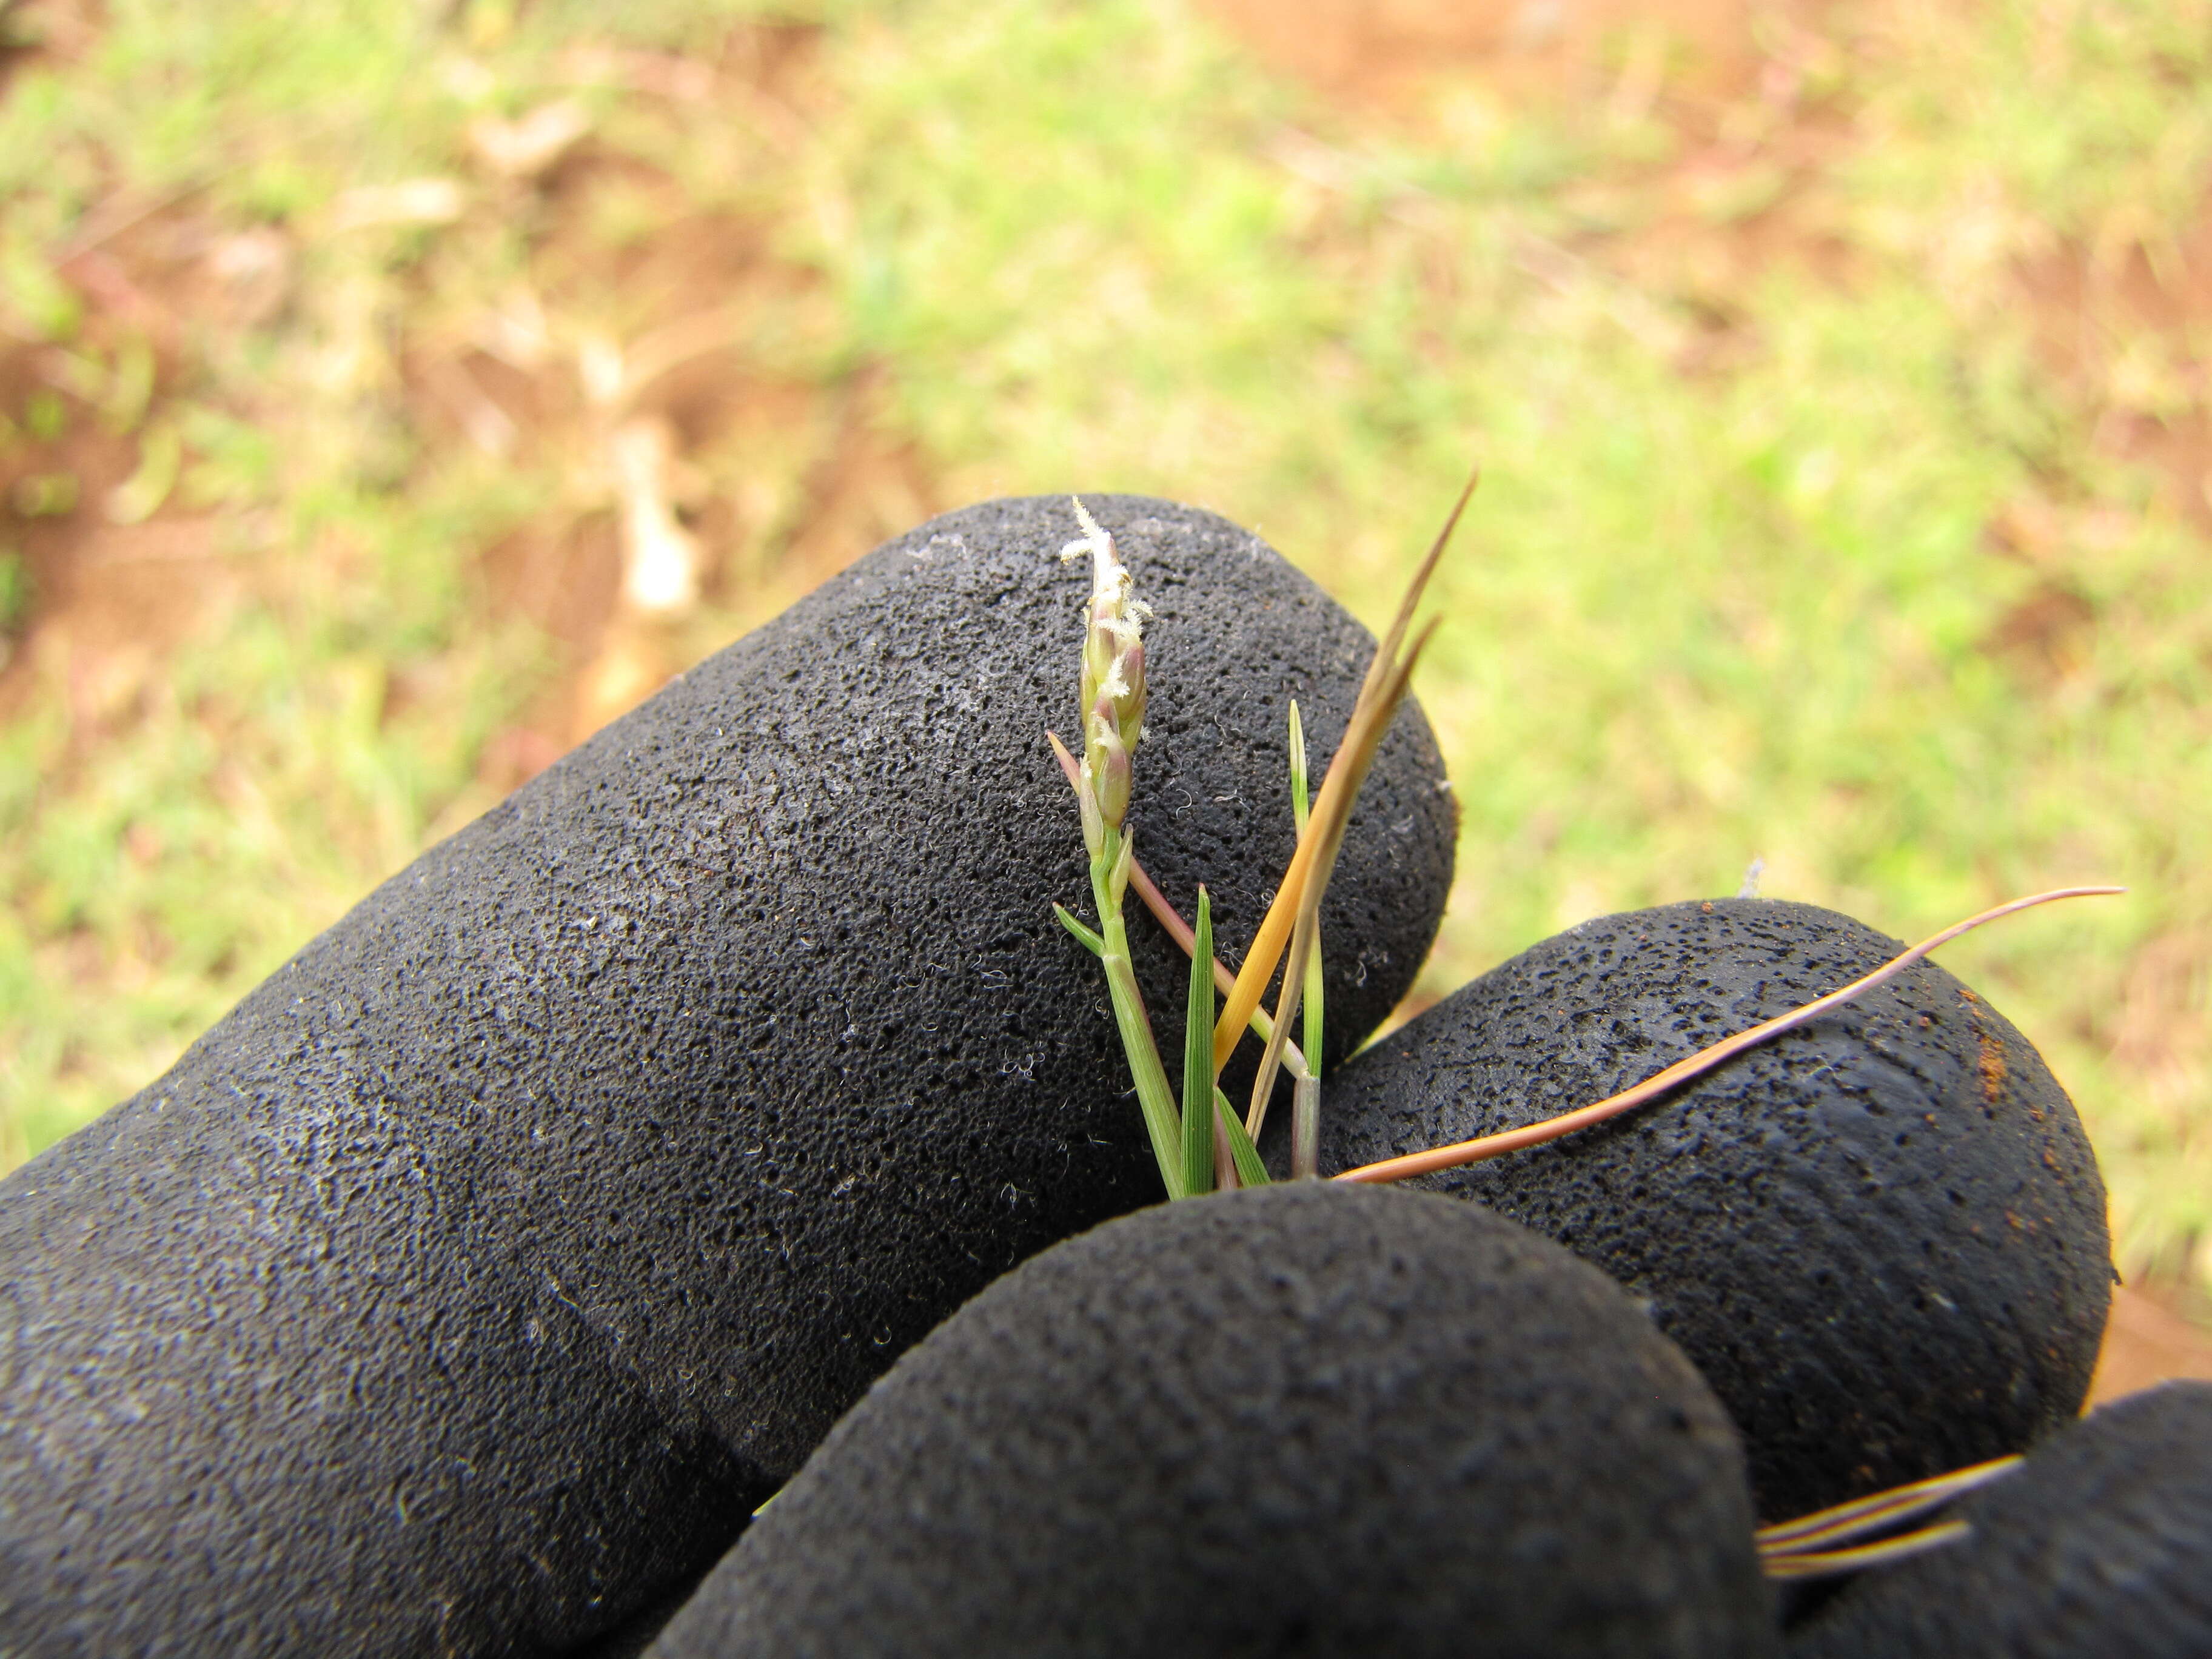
(1111, 695)
(1843, 426)
(1861, 1534)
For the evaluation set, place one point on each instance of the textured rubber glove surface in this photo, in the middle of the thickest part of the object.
(478, 1273)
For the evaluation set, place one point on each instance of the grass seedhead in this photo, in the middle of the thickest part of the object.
(1112, 698)
(1111, 687)
(1194, 1156)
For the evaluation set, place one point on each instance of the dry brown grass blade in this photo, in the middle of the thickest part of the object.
(1841, 1523)
(1370, 719)
(1827, 1563)
(1329, 833)
(1386, 653)
(1510, 1140)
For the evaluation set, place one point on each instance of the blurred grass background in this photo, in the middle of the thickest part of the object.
(1839, 373)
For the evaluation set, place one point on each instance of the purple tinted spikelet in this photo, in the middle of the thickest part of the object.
(1112, 690)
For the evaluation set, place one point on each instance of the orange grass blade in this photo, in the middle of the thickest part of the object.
(1306, 927)
(1387, 653)
(1510, 1140)
(1251, 982)
(1306, 930)
(1370, 719)
(1841, 1523)
(1827, 1563)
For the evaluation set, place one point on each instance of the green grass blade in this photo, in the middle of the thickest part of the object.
(1154, 1099)
(1249, 1169)
(1312, 1005)
(1198, 1059)
(1089, 941)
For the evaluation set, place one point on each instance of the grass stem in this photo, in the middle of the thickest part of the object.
(1154, 1097)
(1170, 920)
(1305, 1128)
(1300, 813)
(1841, 1523)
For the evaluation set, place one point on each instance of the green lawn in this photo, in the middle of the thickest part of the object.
(1844, 449)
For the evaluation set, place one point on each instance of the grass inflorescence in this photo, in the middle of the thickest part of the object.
(1111, 694)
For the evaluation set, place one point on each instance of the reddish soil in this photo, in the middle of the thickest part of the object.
(1730, 76)
(2115, 319)
(1375, 53)
(109, 601)
(2086, 301)
(693, 289)
(2157, 1333)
